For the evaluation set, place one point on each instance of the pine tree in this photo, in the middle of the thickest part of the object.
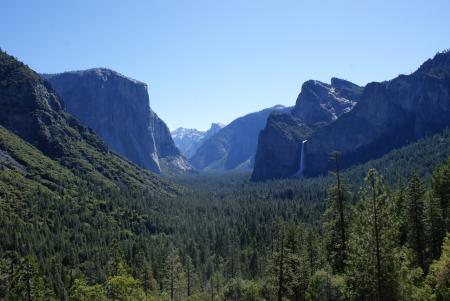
(336, 221)
(440, 183)
(434, 226)
(438, 278)
(117, 263)
(416, 229)
(80, 291)
(124, 287)
(144, 273)
(190, 276)
(313, 250)
(173, 276)
(287, 269)
(371, 261)
(27, 282)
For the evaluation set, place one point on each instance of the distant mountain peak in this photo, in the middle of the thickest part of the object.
(189, 140)
(278, 107)
(234, 146)
(216, 125)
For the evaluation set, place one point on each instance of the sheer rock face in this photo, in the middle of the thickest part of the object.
(278, 152)
(32, 110)
(117, 109)
(321, 102)
(318, 104)
(362, 126)
(390, 114)
(170, 158)
(234, 146)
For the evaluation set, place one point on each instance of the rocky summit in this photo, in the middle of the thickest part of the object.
(117, 109)
(389, 115)
(280, 142)
(189, 140)
(321, 102)
(360, 123)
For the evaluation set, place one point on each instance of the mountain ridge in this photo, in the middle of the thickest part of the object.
(189, 140)
(33, 111)
(234, 146)
(280, 142)
(390, 114)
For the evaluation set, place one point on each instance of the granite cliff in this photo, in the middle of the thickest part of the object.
(33, 111)
(117, 109)
(389, 115)
(361, 123)
(318, 104)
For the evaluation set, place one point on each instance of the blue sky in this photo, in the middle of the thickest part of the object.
(213, 61)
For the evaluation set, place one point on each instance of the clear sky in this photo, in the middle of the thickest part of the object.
(212, 61)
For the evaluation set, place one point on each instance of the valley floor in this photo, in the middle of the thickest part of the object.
(374, 236)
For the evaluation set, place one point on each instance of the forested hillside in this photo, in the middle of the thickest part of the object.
(112, 189)
(79, 222)
(225, 238)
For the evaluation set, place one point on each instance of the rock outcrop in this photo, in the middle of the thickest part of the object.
(323, 103)
(389, 115)
(169, 156)
(362, 124)
(233, 147)
(117, 109)
(278, 152)
(318, 104)
(32, 110)
(189, 140)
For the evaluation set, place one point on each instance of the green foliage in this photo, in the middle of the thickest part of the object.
(245, 290)
(80, 291)
(22, 279)
(174, 278)
(337, 217)
(439, 276)
(323, 285)
(290, 265)
(219, 236)
(124, 288)
(410, 278)
(440, 183)
(371, 258)
(416, 220)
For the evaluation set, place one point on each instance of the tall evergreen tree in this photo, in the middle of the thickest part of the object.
(287, 274)
(27, 282)
(371, 261)
(336, 220)
(434, 226)
(440, 183)
(190, 276)
(439, 277)
(173, 276)
(416, 228)
(80, 291)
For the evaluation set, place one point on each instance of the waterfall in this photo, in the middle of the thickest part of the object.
(301, 166)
